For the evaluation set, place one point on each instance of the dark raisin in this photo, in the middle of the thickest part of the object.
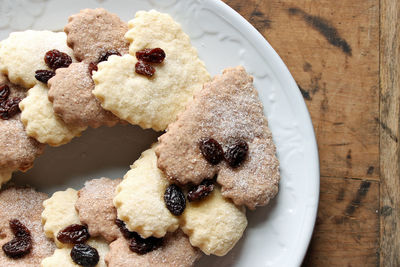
(174, 200)
(144, 69)
(18, 247)
(44, 75)
(21, 244)
(92, 67)
(74, 234)
(122, 227)
(236, 153)
(151, 55)
(55, 59)
(211, 150)
(9, 108)
(18, 229)
(85, 255)
(142, 246)
(105, 55)
(4, 92)
(200, 191)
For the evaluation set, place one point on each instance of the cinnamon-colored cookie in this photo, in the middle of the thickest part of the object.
(229, 111)
(17, 149)
(93, 32)
(96, 209)
(70, 91)
(25, 205)
(176, 251)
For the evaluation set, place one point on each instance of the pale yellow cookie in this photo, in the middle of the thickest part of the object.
(5, 175)
(214, 224)
(151, 102)
(62, 257)
(59, 212)
(140, 199)
(40, 120)
(22, 53)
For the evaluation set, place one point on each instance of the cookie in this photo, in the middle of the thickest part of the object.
(5, 175)
(25, 205)
(22, 53)
(70, 91)
(176, 251)
(62, 257)
(18, 150)
(214, 224)
(95, 31)
(59, 212)
(139, 199)
(96, 209)
(229, 111)
(41, 122)
(151, 102)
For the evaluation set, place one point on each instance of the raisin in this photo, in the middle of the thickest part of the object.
(211, 150)
(4, 92)
(85, 255)
(92, 67)
(9, 108)
(174, 200)
(44, 75)
(144, 69)
(105, 55)
(122, 227)
(151, 55)
(21, 244)
(142, 246)
(200, 191)
(236, 153)
(18, 229)
(55, 59)
(74, 234)
(18, 247)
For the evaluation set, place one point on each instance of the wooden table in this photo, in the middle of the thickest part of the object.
(344, 55)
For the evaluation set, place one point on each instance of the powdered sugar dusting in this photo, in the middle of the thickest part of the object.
(24, 204)
(227, 109)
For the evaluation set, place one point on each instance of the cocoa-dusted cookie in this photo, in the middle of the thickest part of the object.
(224, 132)
(24, 205)
(17, 149)
(93, 32)
(70, 91)
(175, 251)
(96, 209)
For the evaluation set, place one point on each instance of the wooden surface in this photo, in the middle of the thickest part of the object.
(344, 55)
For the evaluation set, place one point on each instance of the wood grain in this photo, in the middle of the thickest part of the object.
(389, 131)
(332, 50)
(347, 227)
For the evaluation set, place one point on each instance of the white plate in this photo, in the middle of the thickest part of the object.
(277, 235)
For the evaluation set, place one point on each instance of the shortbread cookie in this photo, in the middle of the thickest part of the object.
(59, 212)
(70, 91)
(227, 110)
(18, 150)
(139, 199)
(214, 224)
(25, 205)
(22, 53)
(151, 102)
(95, 31)
(176, 251)
(40, 120)
(96, 209)
(62, 257)
(5, 175)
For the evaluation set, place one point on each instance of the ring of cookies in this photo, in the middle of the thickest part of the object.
(186, 195)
